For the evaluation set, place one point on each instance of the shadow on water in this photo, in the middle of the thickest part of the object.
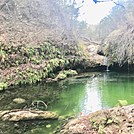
(68, 98)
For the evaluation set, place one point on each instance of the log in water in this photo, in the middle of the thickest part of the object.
(19, 115)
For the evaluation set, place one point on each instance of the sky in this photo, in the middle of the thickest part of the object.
(92, 13)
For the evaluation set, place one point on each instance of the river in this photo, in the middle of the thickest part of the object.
(71, 97)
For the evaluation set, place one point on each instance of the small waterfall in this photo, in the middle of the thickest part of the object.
(128, 67)
(106, 63)
(107, 69)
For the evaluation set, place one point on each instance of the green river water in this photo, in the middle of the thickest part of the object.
(68, 98)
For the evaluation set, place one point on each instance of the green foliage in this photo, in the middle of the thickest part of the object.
(30, 52)
(54, 62)
(100, 131)
(122, 102)
(57, 63)
(3, 85)
(31, 65)
(109, 121)
(35, 60)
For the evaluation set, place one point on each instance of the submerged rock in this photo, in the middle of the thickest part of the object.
(19, 100)
(48, 126)
(61, 118)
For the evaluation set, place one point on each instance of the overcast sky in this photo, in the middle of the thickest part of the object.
(92, 13)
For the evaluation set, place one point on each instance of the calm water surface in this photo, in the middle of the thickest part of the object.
(68, 98)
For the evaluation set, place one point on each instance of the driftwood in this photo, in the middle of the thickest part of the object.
(19, 115)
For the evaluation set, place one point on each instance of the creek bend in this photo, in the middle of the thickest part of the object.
(70, 97)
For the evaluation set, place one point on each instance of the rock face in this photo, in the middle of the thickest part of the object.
(119, 120)
(19, 115)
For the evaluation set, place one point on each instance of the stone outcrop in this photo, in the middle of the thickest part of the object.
(118, 120)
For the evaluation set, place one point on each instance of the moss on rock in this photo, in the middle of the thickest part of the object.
(122, 102)
(61, 76)
(70, 72)
(66, 73)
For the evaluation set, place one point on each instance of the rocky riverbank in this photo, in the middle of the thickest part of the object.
(27, 65)
(118, 120)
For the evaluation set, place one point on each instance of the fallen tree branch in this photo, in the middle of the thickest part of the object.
(38, 103)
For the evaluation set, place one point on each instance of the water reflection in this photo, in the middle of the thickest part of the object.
(92, 101)
(104, 92)
(70, 97)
